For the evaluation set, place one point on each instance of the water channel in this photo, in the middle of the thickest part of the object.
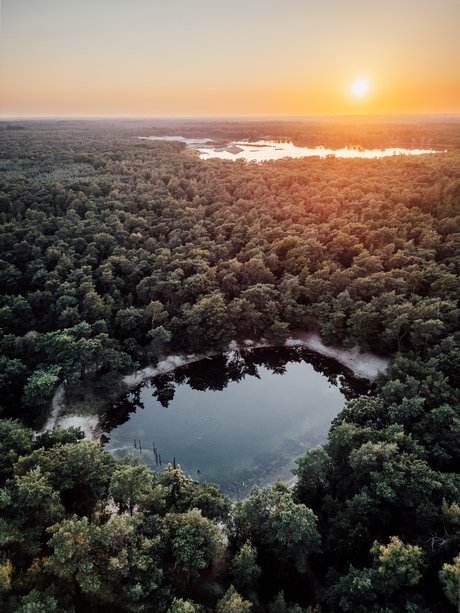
(237, 419)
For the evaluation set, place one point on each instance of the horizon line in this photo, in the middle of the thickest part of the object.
(217, 117)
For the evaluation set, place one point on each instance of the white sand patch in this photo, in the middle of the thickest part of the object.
(58, 417)
(168, 364)
(87, 424)
(58, 405)
(363, 365)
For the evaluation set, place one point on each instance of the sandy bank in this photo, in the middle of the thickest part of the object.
(363, 365)
(59, 418)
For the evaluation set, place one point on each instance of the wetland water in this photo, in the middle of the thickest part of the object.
(264, 150)
(261, 151)
(238, 419)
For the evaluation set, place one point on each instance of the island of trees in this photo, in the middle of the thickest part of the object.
(114, 251)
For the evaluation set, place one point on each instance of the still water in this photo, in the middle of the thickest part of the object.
(264, 150)
(272, 150)
(238, 419)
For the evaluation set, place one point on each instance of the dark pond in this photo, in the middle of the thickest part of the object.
(238, 419)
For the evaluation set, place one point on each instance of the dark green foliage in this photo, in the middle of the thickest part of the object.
(272, 532)
(115, 250)
(233, 603)
(245, 570)
(390, 473)
(61, 539)
(96, 227)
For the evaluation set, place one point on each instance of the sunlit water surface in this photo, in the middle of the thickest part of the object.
(264, 150)
(236, 420)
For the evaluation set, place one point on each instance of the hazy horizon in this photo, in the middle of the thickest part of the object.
(214, 59)
(236, 118)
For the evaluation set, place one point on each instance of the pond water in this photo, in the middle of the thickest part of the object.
(264, 150)
(238, 419)
(272, 150)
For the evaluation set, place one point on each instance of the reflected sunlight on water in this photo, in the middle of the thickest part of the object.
(264, 150)
(272, 150)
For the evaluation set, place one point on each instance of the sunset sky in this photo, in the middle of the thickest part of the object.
(228, 57)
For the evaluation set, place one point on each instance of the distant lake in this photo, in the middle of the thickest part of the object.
(238, 419)
(264, 150)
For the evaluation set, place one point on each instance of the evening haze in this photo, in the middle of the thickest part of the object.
(220, 58)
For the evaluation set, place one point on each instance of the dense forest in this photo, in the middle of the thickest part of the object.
(115, 251)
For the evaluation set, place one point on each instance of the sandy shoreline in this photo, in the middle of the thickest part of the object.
(363, 366)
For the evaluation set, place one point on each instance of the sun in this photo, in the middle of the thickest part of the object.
(360, 88)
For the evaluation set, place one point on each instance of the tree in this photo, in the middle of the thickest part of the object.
(397, 319)
(81, 472)
(15, 441)
(212, 310)
(254, 271)
(148, 287)
(29, 504)
(6, 570)
(157, 312)
(40, 387)
(449, 576)
(13, 376)
(206, 497)
(191, 539)
(39, 602)
(199, 284)
(312, 481)
(179, 605)
(132, 322)
(279, 605)
(159, 336)
(69, 317)
(395, 567)
(112, 564)
(232, 603)
(278, 332)
(245, 317)
(426, 332)
(265, 299)
(270, 517)
(183, 494)
(245, 570)
(131, 482)
(59, 436)
(363, 327)
(94, 308)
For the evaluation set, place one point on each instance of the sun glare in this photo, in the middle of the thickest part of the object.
(360, 88)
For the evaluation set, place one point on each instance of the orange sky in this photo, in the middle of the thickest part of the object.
(228, 57)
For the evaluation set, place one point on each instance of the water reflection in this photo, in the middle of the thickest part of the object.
(274, 150)
(237, 419)
(264, 150)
